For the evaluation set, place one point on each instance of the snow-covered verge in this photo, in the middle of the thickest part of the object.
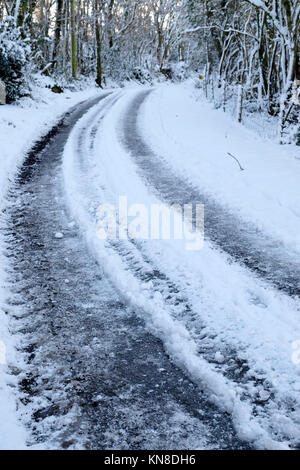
(20, 125)
(196, 140)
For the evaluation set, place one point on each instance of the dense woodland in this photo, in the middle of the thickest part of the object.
(247, 50)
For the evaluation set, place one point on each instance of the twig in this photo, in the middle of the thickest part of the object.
(47, 67)
(288, 113)
(232, 156)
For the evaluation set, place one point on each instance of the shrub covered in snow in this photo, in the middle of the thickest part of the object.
(180, 70)
(14, 54)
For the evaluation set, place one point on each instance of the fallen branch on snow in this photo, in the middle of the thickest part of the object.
(232, 156)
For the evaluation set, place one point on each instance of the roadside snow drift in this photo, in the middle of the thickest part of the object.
(196, 140)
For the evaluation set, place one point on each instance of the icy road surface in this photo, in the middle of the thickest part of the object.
(138, 345)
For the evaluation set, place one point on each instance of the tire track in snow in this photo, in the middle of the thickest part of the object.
(246, 244)
(143, 269)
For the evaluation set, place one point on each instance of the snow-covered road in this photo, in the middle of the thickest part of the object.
(141, 343)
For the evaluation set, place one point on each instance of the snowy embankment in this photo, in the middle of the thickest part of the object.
(196, 140)
(229, 309)
(20, 126)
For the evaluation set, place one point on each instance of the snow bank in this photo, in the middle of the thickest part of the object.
(195, 139)
(20, 125)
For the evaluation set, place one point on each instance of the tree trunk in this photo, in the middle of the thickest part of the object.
(73, 41)
(240, 103)
(57, 32)
(98, 45)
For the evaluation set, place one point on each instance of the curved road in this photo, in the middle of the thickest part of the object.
(95, 377)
